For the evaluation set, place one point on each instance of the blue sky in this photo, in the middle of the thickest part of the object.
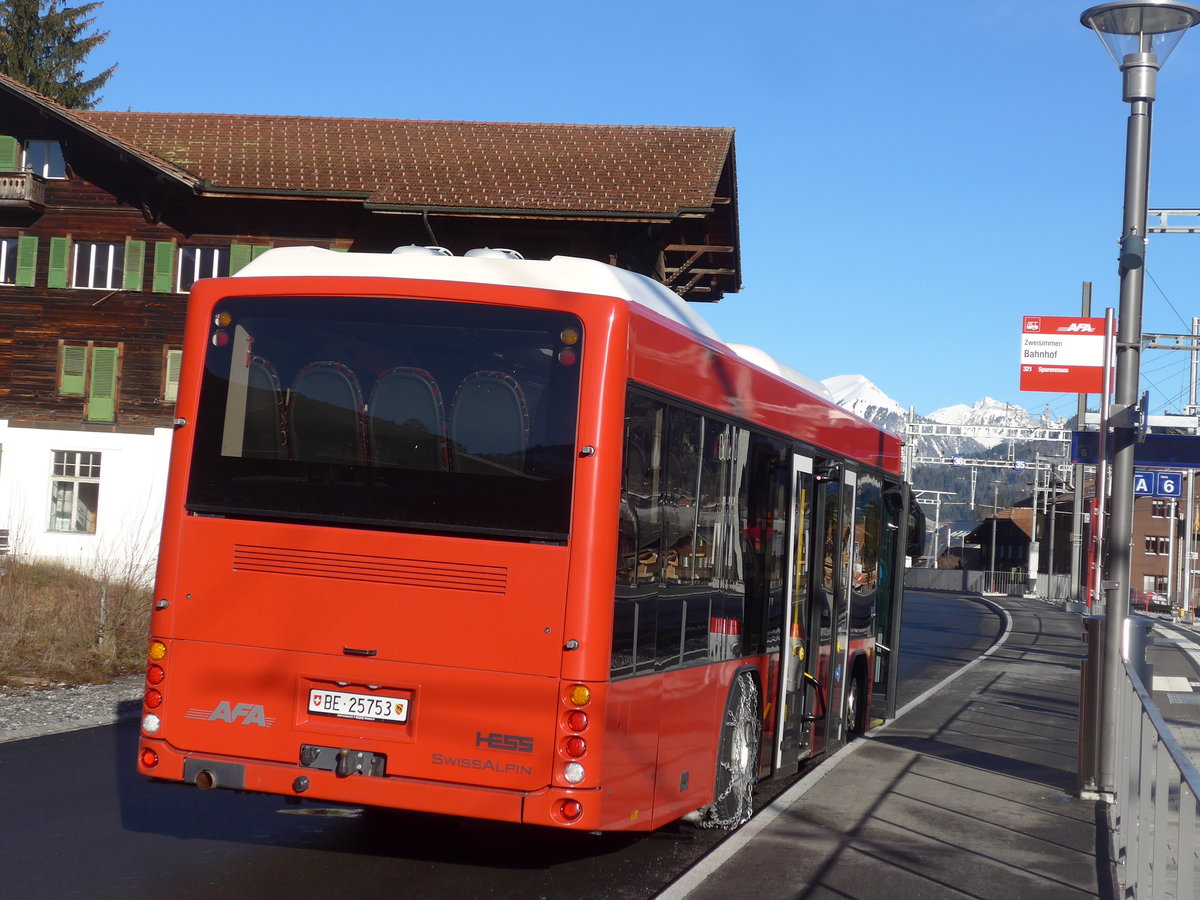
(913, 178)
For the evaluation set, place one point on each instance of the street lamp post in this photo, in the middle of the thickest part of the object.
(1139, 36)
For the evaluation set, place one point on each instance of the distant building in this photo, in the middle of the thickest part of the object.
(1158, 562)
(107, 218)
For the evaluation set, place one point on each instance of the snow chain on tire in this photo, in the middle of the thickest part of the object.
(738, 759)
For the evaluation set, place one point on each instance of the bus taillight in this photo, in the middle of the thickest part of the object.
(149, 758)
(572, 725)
(574, 773)
(575, 747)
(156, 674)
(577, 720)
(579, 695)
(570, 810)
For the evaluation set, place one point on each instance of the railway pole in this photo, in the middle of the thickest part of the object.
(1139, 35)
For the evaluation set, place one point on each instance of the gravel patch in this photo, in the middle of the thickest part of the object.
(39, 710)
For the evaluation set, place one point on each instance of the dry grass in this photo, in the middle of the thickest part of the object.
(59, 624)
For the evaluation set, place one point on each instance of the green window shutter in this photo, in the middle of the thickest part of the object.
(27, 247)
(60, 262)
(73, 360)
(174, 361)
(135, 265)
(239, 256)
(164, 268)
(258, 250)
(10, 154)
(103, 395)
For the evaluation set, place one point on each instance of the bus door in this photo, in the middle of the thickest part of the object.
(829, 639)
(795, 704)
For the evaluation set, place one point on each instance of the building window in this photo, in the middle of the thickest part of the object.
(75, 491)
(172, 360)
(1158, 509)
(98, 265)
(8, 260)
(200, 262)
(45, 158)
(1157, 546)
(85, 370)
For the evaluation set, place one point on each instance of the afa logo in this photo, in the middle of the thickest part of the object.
(234, 714)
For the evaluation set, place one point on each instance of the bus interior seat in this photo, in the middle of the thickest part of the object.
(325, 414)
(406, 420)
(489, 423)
(264, 435)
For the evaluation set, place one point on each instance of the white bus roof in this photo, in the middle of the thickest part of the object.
(562, 273)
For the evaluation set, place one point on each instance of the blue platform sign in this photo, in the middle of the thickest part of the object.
(1149, 483)
(1143, 483)
(1175, 451)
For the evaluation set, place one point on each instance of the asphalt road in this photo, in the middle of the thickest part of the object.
(77, 821)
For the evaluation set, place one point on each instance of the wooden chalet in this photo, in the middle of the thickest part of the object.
(107, 218)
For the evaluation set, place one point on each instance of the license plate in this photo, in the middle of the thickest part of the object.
(347, 705)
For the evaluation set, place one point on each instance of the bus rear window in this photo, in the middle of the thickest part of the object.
(389, 413)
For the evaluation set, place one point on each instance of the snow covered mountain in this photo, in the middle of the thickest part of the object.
(985, 412)
(859, 395)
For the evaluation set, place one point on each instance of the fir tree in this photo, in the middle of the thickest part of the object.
(44, 47)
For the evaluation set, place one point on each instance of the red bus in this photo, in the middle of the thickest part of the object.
(511, 539)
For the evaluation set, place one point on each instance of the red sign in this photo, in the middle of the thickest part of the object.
(1062, 355)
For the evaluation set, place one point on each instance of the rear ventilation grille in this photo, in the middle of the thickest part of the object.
(381, 569)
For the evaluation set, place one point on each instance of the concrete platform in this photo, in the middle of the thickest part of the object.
(970, 792)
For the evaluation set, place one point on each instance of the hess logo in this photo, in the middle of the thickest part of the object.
(495, 741)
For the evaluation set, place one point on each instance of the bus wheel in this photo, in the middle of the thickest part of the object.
(737, 758)
(852, 720)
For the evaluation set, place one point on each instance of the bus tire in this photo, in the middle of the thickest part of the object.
(737, 757)
(854, 707)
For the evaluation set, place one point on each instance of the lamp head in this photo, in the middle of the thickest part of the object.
(1140, 27)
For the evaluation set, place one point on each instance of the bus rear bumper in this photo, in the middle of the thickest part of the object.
(543, 807)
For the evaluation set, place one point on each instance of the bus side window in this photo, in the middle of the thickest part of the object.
(639, 564)
(680, 500)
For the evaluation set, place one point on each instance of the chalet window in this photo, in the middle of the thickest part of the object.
(8, 260)
(172, 360)
(75, 491)
(18, 260)
(99, 265)
(91, 371)
(242, 254)
(200, 262)
(45, 158)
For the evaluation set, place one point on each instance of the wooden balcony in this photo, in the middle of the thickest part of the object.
(22, 190)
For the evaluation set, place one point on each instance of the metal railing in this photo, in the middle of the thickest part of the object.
(1155, 802)
(1056, 587)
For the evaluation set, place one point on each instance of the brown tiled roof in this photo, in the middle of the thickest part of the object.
(646, 170)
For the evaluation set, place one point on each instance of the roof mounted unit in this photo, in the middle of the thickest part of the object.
(417, 250)
(493, 253)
